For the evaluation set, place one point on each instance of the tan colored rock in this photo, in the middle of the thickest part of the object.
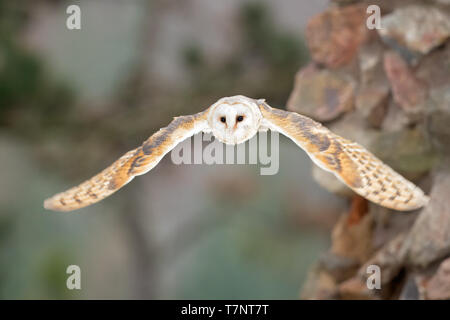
(356, 289)
(434, 68)
(339, 267)
(438, 287)
(395, 119)
(390, 258)
(410, 290)
(370, 60)
(372, 95)
(372, 102)
(321, 94)
(389, 224)
(417, 27)
(408, 151)
(353, 127)
(319, 285)
(352, 235)
(335, 35)
(439, 118)
(409, 92)
(429, 238)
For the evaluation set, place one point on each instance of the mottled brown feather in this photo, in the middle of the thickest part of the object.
(131, 164)
(351, 163)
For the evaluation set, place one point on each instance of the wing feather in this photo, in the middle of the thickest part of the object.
(350, 162)
(133, 163)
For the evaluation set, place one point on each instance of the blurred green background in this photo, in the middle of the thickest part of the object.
(72, 101)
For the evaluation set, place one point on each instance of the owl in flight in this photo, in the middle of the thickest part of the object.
(233, 120)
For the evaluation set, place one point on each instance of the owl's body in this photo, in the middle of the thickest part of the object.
(234, 120)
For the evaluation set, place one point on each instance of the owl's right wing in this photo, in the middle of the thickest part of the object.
(348, 161)
(133, 163)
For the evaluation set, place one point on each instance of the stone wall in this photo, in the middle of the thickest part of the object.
(388, 89)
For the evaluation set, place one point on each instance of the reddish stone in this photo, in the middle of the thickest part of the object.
(371, 101)
(353, 241)
(335, 35)
(390, 258)
(321, 94)
(356, 289)
(358, 210)
(409, 92)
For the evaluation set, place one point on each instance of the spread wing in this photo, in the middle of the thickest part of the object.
(351, 163)
(131, 164)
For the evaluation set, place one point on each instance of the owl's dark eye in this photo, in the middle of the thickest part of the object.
(223, 119)
(239, 118)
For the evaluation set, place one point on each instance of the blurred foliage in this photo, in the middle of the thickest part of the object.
(266, 255)
(51, 275)
(262, 65)
(44, 112)
(262, 37)
(30, 99)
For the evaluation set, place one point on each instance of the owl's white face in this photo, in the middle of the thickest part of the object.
(234, 119)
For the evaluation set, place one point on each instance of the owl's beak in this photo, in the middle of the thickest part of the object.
(230, 137)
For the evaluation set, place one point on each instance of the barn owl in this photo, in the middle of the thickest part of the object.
(234, 120)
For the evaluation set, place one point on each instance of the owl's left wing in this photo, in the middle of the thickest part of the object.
(131, 164)
(351, 163)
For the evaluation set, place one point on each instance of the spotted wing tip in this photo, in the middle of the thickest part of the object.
(422, 202)
(49, 204)
(426, 200)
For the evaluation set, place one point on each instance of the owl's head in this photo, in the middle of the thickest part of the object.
(234, 119)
